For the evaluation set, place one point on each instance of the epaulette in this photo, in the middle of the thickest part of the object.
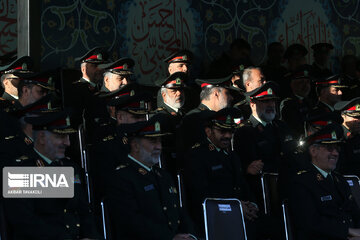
(196, 145)
(9, 137)
(22, 158)
(301, 172)
(108, 138)
(121, 166)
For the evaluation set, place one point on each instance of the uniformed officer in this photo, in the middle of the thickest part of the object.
(81, 93)
(213, 170)
(50, 218)
(117, 74)
(350, 155)
(320, 67)
(33, 86)
(295, 108)
(329, 92)
(179, 61)
(215, 95)
(143, 201)
(9, 81)
(321, 203)
(252, 78)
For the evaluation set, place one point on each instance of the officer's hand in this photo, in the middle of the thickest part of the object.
(183, 236)
(354, 232)
(250, 210)
(255, 167)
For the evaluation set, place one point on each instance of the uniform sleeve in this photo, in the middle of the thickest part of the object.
(308, 220)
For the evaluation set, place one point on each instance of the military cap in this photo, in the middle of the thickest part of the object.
(239, 69)
(267, 91)
(152, 128)
(350, 108)
(128, 89)
(332, 133)
(295, 49)
(57, 122)
(301, 72)
(43, 105)
(322, 47)
(42, 79)
(175, 80)
(135, 104)
(123, 66)
(334, 80)
(320, 119)
(23, 64)
(225, 118)
(215, 82)
(97, 55)
(184, 56)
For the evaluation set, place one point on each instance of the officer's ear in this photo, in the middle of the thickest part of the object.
(208, 131)
(83, 68)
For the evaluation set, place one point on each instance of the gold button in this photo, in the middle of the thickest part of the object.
(170, 223)
(64, 210)
(175, 205)
(178, 221)
(78, 225)
(67, 226)
(164, 208)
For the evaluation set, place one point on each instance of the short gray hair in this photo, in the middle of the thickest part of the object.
(207, 91)
(247, 74)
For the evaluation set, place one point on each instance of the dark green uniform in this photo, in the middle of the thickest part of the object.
(144, 205)
(50, 218)
(349, 162)
(322, 208)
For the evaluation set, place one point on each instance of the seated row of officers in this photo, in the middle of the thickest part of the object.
(221, 148)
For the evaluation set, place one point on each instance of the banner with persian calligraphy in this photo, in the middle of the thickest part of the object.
(8, 31)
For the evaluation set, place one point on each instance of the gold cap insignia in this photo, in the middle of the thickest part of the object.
(125, 66)
(270, 91)
(142, 171)
(228, 119)
(319, 177)
(306, 73)
(178, 81)
(184, 57)
(142, 104)
(333, 135)
(132, 93)
(241, 67)
(50, 80)
(99, 56)
(157, 127)
(357, 107)
(67, 121)
(24, 66)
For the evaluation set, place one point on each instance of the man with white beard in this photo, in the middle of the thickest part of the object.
(143, 199)
(263, 139)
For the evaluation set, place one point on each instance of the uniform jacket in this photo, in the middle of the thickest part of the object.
(144, 205)
(322, 208)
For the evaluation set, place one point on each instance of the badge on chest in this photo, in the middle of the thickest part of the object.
(326, 198)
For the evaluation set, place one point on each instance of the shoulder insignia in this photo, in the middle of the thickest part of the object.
(125, 140)
(142, 171)
(120, 167)
(319, 177)
(301, 172)
(9, 137)
(27, 140)
(40, 163)
(196, 145)
(211, 147)
(22, 158)
(108, 138)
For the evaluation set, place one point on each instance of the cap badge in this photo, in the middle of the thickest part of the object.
(99, 56)
(241, 67)
(125, 66)
(24, 66)
(184, 57)
(157, 127)
(270, 91)
(306, 73)
(49, 105)
(178, 81)
(132, 93)
(50, 80)
(333, 135)
(67, 121)
(228, 119)
(142, 104)
(357, 107)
